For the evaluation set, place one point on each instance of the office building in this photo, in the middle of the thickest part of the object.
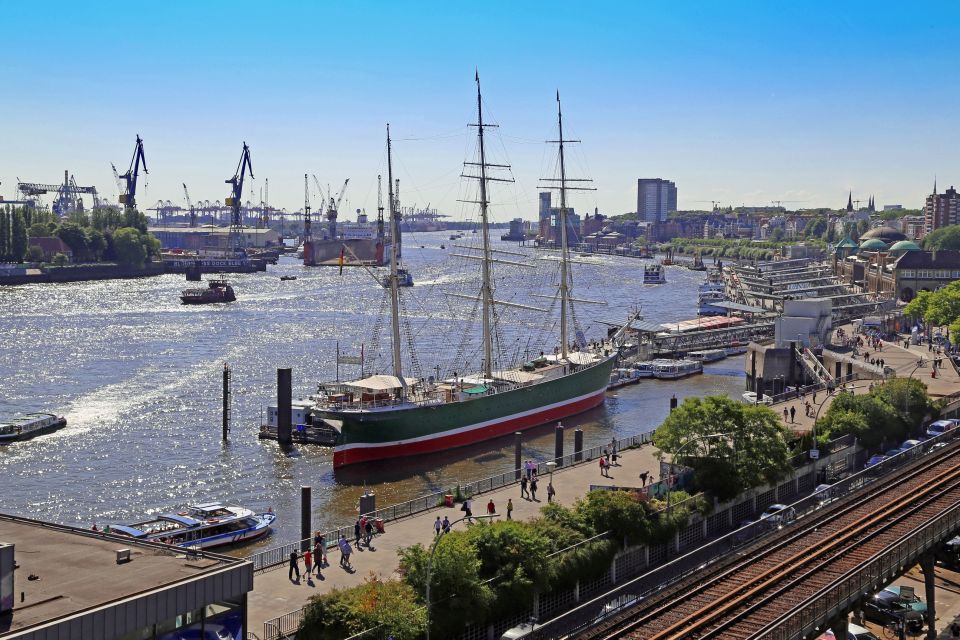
(656, 198)
(941, 209)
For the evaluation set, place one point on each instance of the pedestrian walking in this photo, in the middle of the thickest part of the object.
(323, 552)
(954, 630)
(318, 558)
(468, 509)
(814, 397)
(603, 466)
(446, 524)
(294, 569)
(509, 508)
(345, 551)
(436, 527)
(368, 529)
(523, 487)
(533, 490)
(550, 492)
(356, 533)
(491, 508)
(308, 563)
(793, 412)
(643, 478)
(785, 414)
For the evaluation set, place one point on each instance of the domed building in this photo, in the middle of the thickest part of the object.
(903, 246)
(873, 244)
(886, 234)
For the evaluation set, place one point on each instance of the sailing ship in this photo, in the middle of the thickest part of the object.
(383, 417)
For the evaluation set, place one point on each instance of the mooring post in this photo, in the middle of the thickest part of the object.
(305, 518)
(517, 462)
(673, 402)
(578, 445)
(226, 400)
(284, 410)
(558, 443)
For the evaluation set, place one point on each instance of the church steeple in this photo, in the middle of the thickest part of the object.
(850, 202)
(934, 184)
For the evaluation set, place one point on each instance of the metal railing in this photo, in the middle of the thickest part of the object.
(280, 554)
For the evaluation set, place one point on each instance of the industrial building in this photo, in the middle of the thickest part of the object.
(64, 583)
(211, 237)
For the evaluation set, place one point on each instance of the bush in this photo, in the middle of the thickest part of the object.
(341, 613)
(59, 259)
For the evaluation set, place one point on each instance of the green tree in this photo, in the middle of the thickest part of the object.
(96, 243)
(391, 605)
(5, 234)
(876, 424)
(917, 308)
(514, 554)
(38, 230)
(908, 396)
(777, 234)
(816, 228)
(60, 259)
(75, 237)
(18, 237)
(616, 511)
(943, 306)
(34, 253)
(943, 238)
(129, 247)
(753, 452)
(457, 593)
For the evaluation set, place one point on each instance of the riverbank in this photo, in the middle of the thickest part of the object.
(77, 273)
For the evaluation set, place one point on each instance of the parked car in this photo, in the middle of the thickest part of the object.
(875, 460)
(887, 606)
(894, 452)
(824, 494)
(940, 427)
(910, 444)
(854, 632)
(778, 514)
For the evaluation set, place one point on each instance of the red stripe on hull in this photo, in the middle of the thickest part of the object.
(443, 443)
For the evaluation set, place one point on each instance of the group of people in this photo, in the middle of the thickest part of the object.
(363, 528)
(312, 559)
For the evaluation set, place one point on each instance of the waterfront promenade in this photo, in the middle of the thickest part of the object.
(274, 594)
(902, 361)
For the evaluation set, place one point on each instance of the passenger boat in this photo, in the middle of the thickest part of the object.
(30, 425)
(654, 274)
(621, 377)
(384, 417)
(644, 369)
(708, 355)
(216, 291)
(288, 278)
(202, 526)
(710, 292)
(674, 369)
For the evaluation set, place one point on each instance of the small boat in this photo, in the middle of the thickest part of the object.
(697, 263)
(30, 425)
(288, 277)
(202, 526)
(654, 274)
(708, 355)
(675, 369)
(404, 279)
(622, 377)
(644, 369)
(443, 246)
(216, 291)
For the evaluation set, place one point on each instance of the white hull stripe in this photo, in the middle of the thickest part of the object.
(469, 427)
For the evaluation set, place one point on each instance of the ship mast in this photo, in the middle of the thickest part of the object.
(487, 289)
(394, 285)
(565, 298)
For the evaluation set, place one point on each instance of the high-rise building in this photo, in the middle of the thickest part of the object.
(656, 198)
(941, 209)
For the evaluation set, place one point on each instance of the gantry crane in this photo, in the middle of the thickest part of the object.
(128, 197)
(333, 207)
(234, 200)
(193, 212)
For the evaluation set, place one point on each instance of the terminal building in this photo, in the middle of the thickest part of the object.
(64, 583)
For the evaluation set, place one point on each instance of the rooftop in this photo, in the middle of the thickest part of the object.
(76, 570)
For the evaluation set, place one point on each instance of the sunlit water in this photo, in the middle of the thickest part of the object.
(138, 377)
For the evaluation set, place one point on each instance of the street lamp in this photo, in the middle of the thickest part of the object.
(813, 431)
(708, 436)
(433, 550)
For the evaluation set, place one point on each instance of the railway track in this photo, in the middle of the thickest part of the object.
(740, 597)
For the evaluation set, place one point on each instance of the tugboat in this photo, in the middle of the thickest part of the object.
(404, 279)
(288, 278)
(216, 291)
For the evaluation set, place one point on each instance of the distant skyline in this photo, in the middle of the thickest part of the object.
(743, 102)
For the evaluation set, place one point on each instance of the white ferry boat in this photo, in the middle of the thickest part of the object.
(654, 274)
(710, 292)
(708, 355)
(644, 369)
(751, 398)
(30, 425)
(621, 377)
(674, 369)
(202, 526)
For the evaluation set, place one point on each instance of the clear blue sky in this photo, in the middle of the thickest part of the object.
(740, 102)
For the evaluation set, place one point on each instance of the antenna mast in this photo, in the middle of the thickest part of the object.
(394, 285)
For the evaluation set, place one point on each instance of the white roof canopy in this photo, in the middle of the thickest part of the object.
(516, 376)
(380, 383)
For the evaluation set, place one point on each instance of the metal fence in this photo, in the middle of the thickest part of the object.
(280, 554)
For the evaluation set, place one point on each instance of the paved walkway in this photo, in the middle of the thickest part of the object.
(903, 361)
(274, 594)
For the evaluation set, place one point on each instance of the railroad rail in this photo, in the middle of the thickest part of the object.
(758, 591)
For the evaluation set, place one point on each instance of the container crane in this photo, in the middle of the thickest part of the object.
(333, 207)
(193, 212)
(128, 197)
(234, 200)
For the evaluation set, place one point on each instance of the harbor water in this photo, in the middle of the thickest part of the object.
(138, 377)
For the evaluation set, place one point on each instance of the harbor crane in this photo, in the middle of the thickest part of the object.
(234, 200)
(128, 197)
(193, 212)
(333, 207)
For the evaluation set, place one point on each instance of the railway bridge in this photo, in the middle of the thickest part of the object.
(822, 559)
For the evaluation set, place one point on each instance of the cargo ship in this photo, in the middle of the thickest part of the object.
(382, 417)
